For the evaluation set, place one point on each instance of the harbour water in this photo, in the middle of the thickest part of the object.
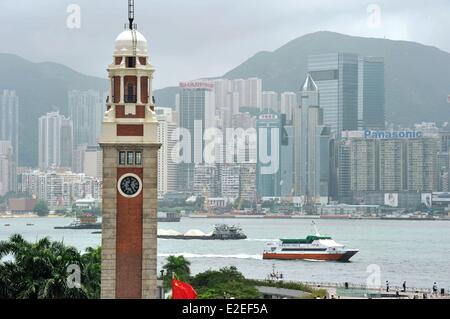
(417, 252)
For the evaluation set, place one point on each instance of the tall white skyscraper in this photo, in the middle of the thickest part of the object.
(86, 110)
(311, 146)
(7, 168)
(270, 101)
(9, 120)
(55, 141)
(167, 169)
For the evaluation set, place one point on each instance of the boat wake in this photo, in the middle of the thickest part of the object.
(259, 240)
(190, 255)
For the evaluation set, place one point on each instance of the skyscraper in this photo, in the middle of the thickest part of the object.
(197, 113)
(7, 168)
(288, 103)
(86, 110)
(167, 168)
(55, 139)
(336, 76)
(269, 101)
(269, 128)
(9, 120)
(371, 93)
(311, 145)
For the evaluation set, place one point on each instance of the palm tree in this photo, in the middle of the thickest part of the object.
(37, 270)
(176, 266)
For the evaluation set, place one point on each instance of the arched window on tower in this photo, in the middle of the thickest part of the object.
(131, 97)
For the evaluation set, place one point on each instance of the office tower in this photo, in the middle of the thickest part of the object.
(9, 120)
(167, 168)
(197, 113)
(55, 139)
(86, 109)
(269, 101)
(287, 161)
(269, 127)
(371, 93)
(311, 146)
(7, 168)
(288, 103)
(336, 76)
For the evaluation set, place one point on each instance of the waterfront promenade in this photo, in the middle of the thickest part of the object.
(352, 291)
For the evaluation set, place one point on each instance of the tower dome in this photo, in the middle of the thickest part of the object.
(131, 43)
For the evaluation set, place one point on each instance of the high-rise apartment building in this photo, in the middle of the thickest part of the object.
(55, 141)
(270, 101)
(86, 109)
(8, 176)
(9, 120)
(404, 162)
(288, 103)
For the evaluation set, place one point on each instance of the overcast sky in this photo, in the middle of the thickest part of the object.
(190, 39)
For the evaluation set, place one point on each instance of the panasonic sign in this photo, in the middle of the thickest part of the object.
(392, 135)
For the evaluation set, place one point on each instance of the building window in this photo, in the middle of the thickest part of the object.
(122, 158)
(131, 62)
(130, 160)
(138, 158)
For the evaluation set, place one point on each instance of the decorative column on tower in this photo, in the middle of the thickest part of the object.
(130, 152)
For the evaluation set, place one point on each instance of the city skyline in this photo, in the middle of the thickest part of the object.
(385, 19)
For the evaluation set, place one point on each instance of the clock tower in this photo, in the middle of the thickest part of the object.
(130, 152)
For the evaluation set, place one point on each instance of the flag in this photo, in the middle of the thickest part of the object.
(182, 290)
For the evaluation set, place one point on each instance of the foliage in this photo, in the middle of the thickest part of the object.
(232, 289)
(225, 283)
(40, 270)
(176, 266)
(41, 208)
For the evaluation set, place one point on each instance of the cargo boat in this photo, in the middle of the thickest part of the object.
(220, 232)
(83, 222)
(317, 247)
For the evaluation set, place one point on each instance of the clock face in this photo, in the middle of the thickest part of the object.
(130, 185)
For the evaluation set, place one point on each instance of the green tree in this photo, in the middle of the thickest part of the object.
(91, 272)
(41, 208)
(225, 283)
(38, 270)
(179, 266)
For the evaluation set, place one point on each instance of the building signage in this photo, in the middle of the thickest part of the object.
(392, 135)
(202, 85)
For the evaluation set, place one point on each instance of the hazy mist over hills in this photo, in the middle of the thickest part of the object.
(417, 80)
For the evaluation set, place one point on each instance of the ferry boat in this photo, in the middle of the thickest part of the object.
(317, 247)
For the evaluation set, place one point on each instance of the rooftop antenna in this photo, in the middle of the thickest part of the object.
(131, 13)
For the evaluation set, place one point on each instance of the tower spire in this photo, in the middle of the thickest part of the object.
(131, 13)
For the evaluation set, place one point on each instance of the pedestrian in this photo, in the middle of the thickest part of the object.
(435, 288)
(387, 285)
(404, 286)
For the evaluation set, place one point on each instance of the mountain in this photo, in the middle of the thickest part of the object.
(41, 87)
(417, 76)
